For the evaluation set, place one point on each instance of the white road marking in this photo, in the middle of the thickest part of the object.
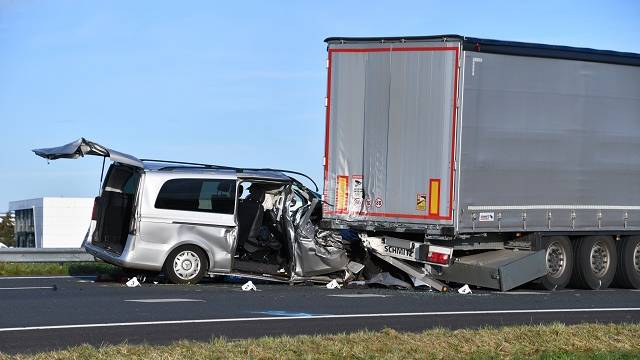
(164, 300)
(360, 295)
(27, 288)
(344, 316)
(47, 277)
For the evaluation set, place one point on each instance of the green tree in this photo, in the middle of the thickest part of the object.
(7, 230)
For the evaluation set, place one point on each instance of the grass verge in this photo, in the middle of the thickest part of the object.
(556, 341)
(50, 269)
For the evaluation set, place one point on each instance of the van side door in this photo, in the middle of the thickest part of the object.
(192, 209)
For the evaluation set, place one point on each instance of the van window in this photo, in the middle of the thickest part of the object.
(208, 195)
(122, 179)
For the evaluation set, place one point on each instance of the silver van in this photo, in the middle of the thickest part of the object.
(193, 220)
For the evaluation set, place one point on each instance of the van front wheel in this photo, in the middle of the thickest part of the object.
(186, 265)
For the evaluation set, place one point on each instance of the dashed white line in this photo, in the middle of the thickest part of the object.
(520, 293)
(26, 288)
(164, 300)
(344, 316)
(47, 277)
(360, 295)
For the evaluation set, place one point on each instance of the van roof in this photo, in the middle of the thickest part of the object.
(240, 173)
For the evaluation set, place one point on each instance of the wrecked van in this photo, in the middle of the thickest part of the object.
(193, 220)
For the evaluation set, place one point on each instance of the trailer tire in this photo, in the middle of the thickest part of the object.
(186, 265)
(628, 271)
(559, 261)
(596, 262)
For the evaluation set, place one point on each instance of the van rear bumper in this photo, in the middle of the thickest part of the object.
(125, 260)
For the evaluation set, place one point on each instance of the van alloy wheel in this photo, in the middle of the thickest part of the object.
(186, 265)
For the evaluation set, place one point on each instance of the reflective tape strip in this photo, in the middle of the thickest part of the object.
(434, 197)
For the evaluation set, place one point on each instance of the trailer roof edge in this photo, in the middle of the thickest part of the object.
(513, 48)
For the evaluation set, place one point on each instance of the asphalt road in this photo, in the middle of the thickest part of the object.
(38, 314)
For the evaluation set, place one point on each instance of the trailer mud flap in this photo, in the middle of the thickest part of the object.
(419, 273)
(501, 269)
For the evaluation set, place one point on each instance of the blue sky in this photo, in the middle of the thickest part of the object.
(237, 82)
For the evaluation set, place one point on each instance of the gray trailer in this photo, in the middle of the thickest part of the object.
(523, 158)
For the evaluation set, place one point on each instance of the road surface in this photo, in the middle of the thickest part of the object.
(48, 313)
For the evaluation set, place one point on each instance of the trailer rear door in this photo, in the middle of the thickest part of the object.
(390, 131)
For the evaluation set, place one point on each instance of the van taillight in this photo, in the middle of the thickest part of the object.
(94, 213)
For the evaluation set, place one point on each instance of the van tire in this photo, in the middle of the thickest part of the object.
(596, 262)
(186, 264)
(628, 271)
(558, 247)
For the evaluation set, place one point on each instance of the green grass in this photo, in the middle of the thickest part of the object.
(48, 269)
(519, 342)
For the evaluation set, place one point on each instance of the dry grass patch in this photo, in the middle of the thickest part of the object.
(541, 341)
(52, 269)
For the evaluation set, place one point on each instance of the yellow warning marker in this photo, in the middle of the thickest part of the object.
(434, 197)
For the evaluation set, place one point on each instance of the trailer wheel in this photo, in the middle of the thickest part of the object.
(628, 271)
(596, 262)
(559, 258)
(186, 265)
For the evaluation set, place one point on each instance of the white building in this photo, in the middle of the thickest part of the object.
(51, 222)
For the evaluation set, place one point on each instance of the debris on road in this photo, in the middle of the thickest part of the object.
(388, 280)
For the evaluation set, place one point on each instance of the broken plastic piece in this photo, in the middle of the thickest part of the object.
(464, 290)
(355, 267)
(133, 282)
(248, 286)
(333, 285)
(386, 279)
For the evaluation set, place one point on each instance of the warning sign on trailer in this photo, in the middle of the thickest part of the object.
(421, 202)
(357, 193)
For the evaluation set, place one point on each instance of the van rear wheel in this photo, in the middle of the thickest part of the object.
(186, 265)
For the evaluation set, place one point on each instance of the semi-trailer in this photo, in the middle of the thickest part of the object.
(493, 162)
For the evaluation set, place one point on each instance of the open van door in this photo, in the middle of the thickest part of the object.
(82, 147)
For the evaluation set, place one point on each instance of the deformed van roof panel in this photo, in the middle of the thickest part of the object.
(510, 48)
(238, 173)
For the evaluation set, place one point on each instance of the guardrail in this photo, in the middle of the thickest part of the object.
(29, 255)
